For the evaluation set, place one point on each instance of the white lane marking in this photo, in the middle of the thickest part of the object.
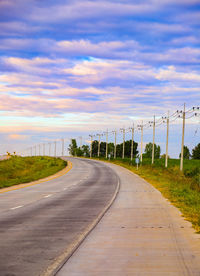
(17, 207)
(64, 189)
(47, 196)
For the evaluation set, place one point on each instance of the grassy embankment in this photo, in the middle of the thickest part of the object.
(182, 189)
(17, 170)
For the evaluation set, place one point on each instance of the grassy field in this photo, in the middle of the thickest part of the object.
(17, 170)
(181, 188)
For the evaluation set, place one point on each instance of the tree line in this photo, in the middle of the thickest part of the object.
(74, 150)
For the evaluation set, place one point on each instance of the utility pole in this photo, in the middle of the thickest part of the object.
(31, 151)
(132, 129)
(153, 147)
(106, 144)
(141, 126)
(167, 139)
(35, 150)
(99, 145)
(115, 144)
(81, 141)
(62, 140)
(123, 142)
(182, 145)
(43, 149)
(91, 145)
(39, 149)
(49, 149)
(55, 149)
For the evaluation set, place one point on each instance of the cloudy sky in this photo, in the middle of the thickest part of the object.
(76, 67)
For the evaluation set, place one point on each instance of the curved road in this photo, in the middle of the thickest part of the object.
(140, 234)
(38, 223)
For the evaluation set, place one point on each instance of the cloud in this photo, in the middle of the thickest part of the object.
(170, 74)
(17, 137)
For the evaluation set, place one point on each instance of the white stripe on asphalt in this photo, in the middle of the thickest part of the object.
(16, 207)
(48, 196)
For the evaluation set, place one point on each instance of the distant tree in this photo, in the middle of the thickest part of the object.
(95, 144)
(127, 149)
(73, 147)
(79, 152)
(196, 152)
(163, 156)
(186, 153)
(86, 150)
(103, 149)
(149, 148)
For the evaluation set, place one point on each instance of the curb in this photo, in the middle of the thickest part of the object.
(53, 269)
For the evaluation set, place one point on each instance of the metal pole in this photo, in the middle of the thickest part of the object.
(182, 145)
(123, 143)
(115, 144)
(153, 147)
(39, 149)
(141, 142)
(35, 150)
(31, 151)
(106, 144)
(43, 149)
(132, 142)
(167, 139)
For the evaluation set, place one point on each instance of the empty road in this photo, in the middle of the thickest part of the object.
(142, 234)
(40, 223)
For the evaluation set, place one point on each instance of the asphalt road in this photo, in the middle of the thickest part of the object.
(38, 223)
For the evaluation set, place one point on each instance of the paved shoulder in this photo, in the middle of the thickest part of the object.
(141, 234)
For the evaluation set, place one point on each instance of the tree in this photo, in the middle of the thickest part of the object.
(95, 144)
(73, 147)
(149, 148)
(186, 153)
(86, 150)
(196, 152)
(127, 149)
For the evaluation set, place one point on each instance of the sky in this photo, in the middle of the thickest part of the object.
(74, 68)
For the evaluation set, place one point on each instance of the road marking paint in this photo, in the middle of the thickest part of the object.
(64, 189)
(48, 196)
(16, 207)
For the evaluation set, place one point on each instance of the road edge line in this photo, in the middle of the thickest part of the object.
(54, 268)
(39, 181)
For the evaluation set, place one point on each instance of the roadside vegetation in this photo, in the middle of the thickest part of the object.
(181, 188)
(17, 170)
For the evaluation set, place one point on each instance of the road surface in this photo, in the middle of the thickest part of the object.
(142, 234)
(40, 222)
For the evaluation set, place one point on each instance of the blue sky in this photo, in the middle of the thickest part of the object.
(70, 68)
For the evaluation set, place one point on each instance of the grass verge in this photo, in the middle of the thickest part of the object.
(181, 188)
(18, 170)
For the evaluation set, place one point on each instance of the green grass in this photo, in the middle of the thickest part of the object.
(181, 188)
(17, 170)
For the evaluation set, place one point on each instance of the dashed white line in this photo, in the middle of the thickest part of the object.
(47, 196)
(16, 207)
